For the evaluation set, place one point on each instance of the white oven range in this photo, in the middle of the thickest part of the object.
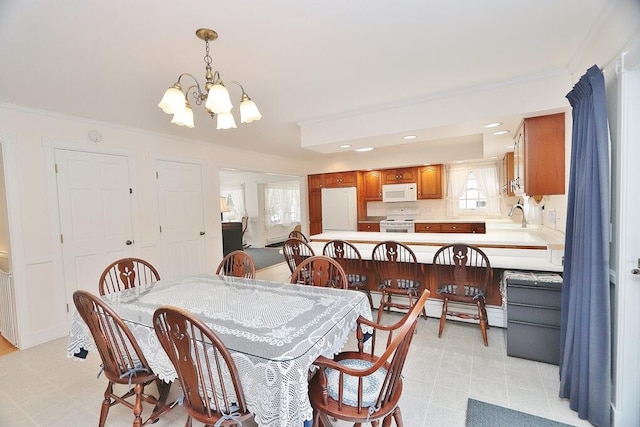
(399, 220)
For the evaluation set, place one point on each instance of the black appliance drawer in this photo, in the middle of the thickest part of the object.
(533, 341)
(534, 314)
(545, 296)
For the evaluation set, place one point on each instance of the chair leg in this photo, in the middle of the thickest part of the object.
(483, 322)
(137, 406)
(397, 417)
(443, 316)
(106, 404)
(370, 299)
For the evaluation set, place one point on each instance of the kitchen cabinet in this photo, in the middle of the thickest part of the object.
(539, 156)
(369, 226)
(450, 227)
(507, 174)
(315, 184)
(430, 182)
(400, 175)
(371, 186)
(533, 315)
(340, 179)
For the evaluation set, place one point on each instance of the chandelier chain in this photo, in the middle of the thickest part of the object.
(207, 57)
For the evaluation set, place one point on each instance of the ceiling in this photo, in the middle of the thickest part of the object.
(300, 61)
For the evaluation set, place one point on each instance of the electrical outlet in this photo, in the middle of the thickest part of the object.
(551, 218)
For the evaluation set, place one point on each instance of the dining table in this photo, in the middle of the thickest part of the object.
(274, 332)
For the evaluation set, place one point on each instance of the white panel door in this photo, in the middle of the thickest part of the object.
(94, 202)
(181, 213)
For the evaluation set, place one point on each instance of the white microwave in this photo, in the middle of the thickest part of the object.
(400, 192)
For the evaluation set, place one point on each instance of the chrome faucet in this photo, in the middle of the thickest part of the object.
(521, 207)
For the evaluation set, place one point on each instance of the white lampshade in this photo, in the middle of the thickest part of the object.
(172, 101)
(249, 111)
(225, 121)
(184, 118)
(218, 100)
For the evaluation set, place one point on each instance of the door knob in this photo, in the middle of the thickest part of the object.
(635, 271)
(129, 242)
(202, 233)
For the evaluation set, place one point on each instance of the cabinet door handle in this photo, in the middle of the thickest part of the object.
(202, 233)
(128, 242)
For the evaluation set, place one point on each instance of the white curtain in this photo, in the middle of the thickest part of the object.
(282, 203)
(234, 194)
(456, 183)
(487, 179)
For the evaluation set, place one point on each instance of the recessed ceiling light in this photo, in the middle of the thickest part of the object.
(493, 125)
(410, 137)
(345, 146)
(501, 132)
(364, 149)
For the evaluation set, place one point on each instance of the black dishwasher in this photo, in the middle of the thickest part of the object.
(533, 315)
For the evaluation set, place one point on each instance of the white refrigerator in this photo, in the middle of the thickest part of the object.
(339, 209)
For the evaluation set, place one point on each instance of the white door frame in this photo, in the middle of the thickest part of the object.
(627, 242)
(49, 148)
(208, 220)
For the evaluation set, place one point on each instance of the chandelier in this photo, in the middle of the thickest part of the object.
(215, 95)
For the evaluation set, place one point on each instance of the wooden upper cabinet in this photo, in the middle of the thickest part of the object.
(371, 186)
(341, 179)
(400, 176)
(507, 174)
(315, 182)
(544, 144)
(430, 182)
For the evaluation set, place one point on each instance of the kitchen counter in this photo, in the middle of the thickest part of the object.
(508, 246)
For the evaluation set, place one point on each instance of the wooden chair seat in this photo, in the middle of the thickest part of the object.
(126, 273)
(365, 385)
(322, 271)
(122, 361)
(237, 264)
(462, 273)
(348, 256)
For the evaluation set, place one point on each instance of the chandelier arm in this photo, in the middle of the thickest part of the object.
(199, 95)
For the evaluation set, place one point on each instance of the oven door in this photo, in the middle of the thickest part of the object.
(397, 228)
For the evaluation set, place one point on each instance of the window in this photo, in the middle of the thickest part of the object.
(282, 203)
(472, 197)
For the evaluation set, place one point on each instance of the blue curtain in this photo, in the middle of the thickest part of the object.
(585, 355)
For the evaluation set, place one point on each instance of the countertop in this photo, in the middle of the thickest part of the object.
(507, 245)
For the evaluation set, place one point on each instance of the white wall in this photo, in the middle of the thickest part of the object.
(37, 265)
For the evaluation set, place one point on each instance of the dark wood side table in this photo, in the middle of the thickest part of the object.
(231, 237)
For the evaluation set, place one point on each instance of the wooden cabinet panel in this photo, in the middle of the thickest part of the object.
(315, 182)
(430, 182)
(400, 175)
(428, 228)
(368, 226)
(507, 174)
(340, 179)
(450, 227)
(371, 186)
(544, 155)
(315, 212)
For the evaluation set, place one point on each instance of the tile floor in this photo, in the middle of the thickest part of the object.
(40, 386)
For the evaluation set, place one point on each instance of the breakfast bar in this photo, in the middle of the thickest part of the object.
(508, 246)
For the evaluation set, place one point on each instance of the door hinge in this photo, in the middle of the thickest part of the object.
(156, 174)
(161, 229)
(55, 166)
(61, 239)
(131, 191)
(67, 307)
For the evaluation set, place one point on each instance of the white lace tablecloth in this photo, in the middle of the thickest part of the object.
(274, 332)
